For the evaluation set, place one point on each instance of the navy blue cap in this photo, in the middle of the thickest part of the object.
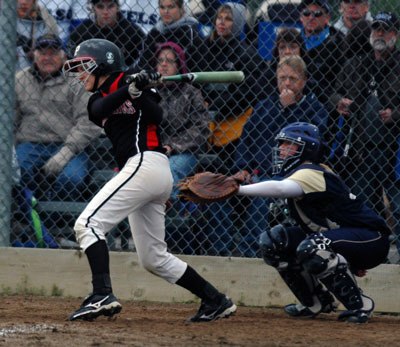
(48, 41)
(386, 19)
(322, 3)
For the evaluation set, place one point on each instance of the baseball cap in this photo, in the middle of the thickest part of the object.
(386, 19)
(322, 3)
(48, 41)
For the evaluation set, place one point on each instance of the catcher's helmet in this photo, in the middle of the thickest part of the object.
(95, 56)
(310, 145)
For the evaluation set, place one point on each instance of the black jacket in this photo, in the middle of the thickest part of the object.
(126, 35)
(185, 35)
(324, 64)
(132, 125)
(225, 55)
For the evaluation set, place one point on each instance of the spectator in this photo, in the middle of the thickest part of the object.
(356, 41)
(288, 42)
(254, 152)
(269, 16)
(288, 103)
(231, 103)
(206, 12)
(52, 127)
(109, 24)
(324, 45)
(352, 11)
(368, 100)
(143, 13)
(33, 20)
(184, 133)
(68, 14)
(176, 26)
(184, 129)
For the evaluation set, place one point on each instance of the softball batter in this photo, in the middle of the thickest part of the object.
(130, 117)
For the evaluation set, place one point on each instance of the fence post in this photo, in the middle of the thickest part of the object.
(7, 96)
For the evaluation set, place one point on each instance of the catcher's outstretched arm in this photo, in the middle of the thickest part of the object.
(272, 189)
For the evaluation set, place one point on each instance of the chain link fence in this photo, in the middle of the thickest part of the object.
(218, 127)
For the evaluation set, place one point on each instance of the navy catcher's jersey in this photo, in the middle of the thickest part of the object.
(132, 125)
(327, 202)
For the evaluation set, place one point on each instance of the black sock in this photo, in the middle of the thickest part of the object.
(196, 284)
(99, 262)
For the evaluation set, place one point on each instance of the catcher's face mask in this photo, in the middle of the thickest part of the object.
(287, 155)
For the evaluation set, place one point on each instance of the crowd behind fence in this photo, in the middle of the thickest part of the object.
(332, 63)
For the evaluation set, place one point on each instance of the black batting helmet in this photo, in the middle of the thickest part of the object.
(96, 56)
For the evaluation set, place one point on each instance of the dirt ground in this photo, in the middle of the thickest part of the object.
(41, 321)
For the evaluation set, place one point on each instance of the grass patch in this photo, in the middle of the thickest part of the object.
(24, 287)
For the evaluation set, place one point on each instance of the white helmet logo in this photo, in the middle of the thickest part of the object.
(77, 49)
(110, 57)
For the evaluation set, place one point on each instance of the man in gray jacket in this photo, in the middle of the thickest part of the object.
(52, 127)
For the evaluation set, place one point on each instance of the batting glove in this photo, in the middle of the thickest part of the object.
(57, 162)
(142, 80)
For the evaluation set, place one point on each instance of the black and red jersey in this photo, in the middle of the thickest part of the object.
(132, 125)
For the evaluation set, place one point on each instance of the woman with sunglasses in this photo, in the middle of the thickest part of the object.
(324, 46)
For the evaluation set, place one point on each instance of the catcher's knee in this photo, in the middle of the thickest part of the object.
(273, 243)
(316, 255)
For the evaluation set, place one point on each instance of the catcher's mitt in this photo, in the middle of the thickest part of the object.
(210, 187)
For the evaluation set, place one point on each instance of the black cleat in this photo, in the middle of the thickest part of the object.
(96, 305)
(210, 311)
(355, 316)
(360, 315)
(300, 311)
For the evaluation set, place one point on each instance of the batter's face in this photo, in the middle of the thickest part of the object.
(287, 149)
(314, 19)
(49, 60)
(86, 79)
(170, 11)
(167, 63)
(106, 13)
(224, 23)
(290, 79)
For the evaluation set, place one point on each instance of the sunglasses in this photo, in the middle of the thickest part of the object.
(315, 14)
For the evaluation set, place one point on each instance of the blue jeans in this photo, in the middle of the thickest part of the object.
(68, 184)
(182, 165)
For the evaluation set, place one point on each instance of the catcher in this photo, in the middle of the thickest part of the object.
(335, 237)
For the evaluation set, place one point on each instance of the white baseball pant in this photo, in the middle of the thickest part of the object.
(139, 191)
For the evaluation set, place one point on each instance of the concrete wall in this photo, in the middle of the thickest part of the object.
(248, 281)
